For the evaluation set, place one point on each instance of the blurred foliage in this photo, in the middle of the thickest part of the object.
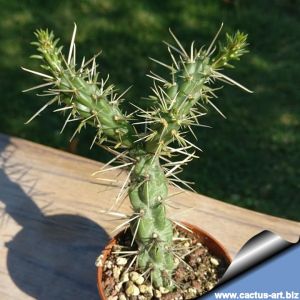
(252, 159)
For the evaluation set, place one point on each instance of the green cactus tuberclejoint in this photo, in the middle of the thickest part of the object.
(176, 105)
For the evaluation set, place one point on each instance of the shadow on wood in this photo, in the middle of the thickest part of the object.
(51, 257)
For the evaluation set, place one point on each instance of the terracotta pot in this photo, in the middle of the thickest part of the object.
(215, 248)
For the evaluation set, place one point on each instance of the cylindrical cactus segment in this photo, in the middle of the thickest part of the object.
(192, 76)
(188, 88)
(79, 92)
(152, 230)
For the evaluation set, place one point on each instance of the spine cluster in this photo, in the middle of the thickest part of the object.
(176, 105)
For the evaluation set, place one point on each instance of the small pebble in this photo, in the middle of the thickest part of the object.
(191, 292)
(108, 265)
(122, 297)
(163, 290)
(176, 262)
(132, 289)
(124, 277)
(186, 245)
(143, 288)
(116, 248)
(157, 293)
(121, 261)
(116, 272)
(214, 261)
(146, 289)
(118, 286)
(209, 286)
(136, 277)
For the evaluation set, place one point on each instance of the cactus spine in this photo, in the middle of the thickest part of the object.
(176, 105)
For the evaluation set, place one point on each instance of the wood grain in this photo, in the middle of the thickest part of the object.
(52, 228)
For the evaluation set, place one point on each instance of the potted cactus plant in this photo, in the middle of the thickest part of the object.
(154, 256)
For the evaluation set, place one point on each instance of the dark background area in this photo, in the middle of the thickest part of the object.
(252, 159)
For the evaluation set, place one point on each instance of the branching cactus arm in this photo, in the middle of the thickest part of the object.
(176, 106)
(78, 91)
(181, 100)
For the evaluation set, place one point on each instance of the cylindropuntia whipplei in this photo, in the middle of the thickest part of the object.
(175, 106)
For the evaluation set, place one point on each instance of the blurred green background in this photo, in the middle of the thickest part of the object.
(252, 159)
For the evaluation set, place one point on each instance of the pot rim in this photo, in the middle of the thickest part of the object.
(214, 246)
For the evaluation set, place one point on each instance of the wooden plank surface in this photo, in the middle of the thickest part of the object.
(52, 230)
